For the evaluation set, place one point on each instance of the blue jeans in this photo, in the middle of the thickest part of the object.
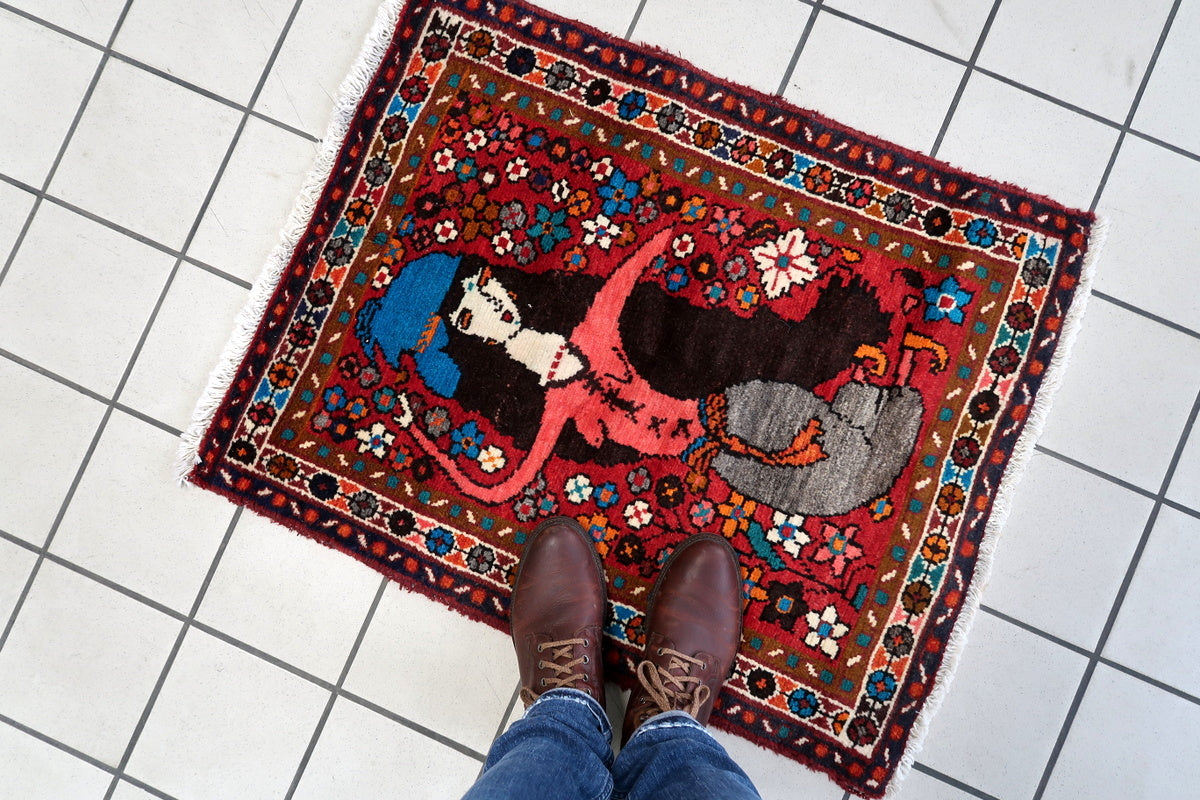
(561, 750)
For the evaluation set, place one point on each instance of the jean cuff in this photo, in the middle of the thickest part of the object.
(577, 698)
(669, 719)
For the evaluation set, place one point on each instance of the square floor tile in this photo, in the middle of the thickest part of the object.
(34, 770)
(612, 16)
(14, 210)
(317, 54)
(226, 724)
(1185, 483)
(1009, 134)
(45, 431)
(219, 45)
(159, 142)
(1068, 50)
(130, 522)
(1128, 740)
(78, 296)
(184, 346)
(1163, 112)
(81, 662)
(1150, 202)
(289, 596)
(776, 777)
(1065, 549)
(253, 200)
(43, 77)
(94, 19)
(15, 565)
(1158, 631)
(363, 754)
(1125, 396)
(903, 97)
(725, 38)
(953, 28)
(1006, 705)
(436, 668)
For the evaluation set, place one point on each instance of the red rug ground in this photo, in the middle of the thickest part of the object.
(549, 272)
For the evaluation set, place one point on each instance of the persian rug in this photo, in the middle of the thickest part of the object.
(540, 271)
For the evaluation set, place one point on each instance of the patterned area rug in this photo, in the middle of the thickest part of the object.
(541, 271)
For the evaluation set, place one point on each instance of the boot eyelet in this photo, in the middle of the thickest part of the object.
(539, 648)
(586, 643)
(660, 651)
(543, 682)
(587, 659)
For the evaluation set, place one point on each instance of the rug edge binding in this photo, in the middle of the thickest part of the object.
(1022, 453)
(350, 93)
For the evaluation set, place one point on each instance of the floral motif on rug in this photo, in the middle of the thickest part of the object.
(553, 273)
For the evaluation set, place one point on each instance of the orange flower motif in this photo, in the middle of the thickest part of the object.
(738, 512)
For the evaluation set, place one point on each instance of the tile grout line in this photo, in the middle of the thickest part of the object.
(123, 764)
(1114, 612)
(951, 781)
(412, 725)
(1133, 106)
(790, 70)
(966, 78)
(637, 15)
(333, 695)
(106, 54)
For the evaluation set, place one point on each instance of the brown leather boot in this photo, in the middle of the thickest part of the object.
(693, 629)
(557, 612)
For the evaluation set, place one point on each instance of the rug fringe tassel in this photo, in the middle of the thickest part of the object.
(1021, 455)
(350, 93)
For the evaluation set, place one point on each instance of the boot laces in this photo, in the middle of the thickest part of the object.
(562, 664)
(673, 687)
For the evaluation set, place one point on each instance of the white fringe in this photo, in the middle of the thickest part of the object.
(1005, 493)
(349, 95)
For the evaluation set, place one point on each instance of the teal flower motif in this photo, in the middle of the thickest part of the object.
(946, 301)
(981, 232)
(548, 228)
(618, 194)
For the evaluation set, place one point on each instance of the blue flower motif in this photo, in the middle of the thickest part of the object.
(981, 232)
(606, 494)
(465, 169)
(946, 301)
(467, 439)
(548, 228)
(881, 684)
(677, 278)
(618, 194)
(335, 398)
(632, 105)
(439, 541)
(803, 703)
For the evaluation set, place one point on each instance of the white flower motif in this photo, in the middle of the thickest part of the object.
(578, 489)
(443, 160)
(375, 440)
(491, 458)
(638, 514)
(784, 263)
(789, 532)
(602, 170)
(825, 630)
(475, 139)
(517, 169)
(445, 231)
(683, 245)
(600, 231)
(503, 243)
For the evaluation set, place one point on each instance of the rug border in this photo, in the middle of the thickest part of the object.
(350, 94)
(1001, 505)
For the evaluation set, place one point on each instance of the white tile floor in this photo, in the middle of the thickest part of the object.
(156, 642)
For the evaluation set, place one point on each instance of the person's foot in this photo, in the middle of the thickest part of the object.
(693, 629)
(557, 612)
